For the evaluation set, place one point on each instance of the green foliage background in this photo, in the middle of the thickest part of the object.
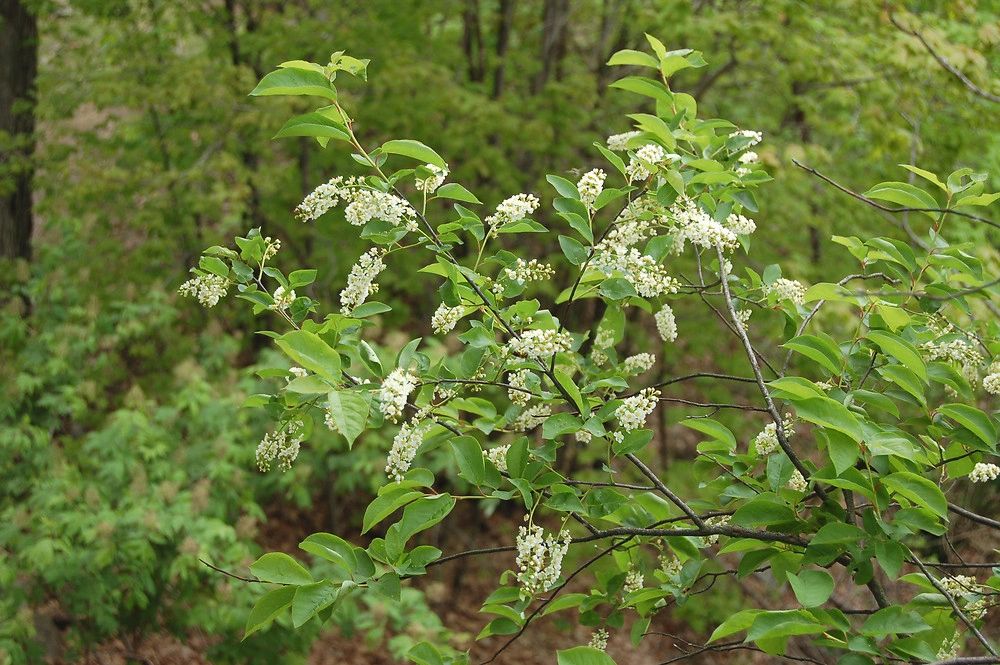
(121, 464)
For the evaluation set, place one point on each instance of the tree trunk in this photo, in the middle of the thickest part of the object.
(505, 17)
(18, 67)
(472, 41)
(555, 31)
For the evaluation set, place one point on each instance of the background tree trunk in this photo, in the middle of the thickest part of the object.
(18, 68)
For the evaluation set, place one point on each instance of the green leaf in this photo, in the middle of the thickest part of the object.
(903, 194)
(583, 656)
(738, 622)
(281, 569)
(978, 200)
(386, 504)
(310, 351)
(293, 81)
(893, 621)
(901, 350)
(633, 442)
(821, 349)
(842, 449)
(456, 192)
(763, 510)
(414, 149)
(469, 455)
(314, 124)
(423, 514)
(567, 383)
(812, 587)
(349, 411)
(829, 413)
(310, 599)
(564, 187)
(714, 429)
(926, 175)
(267, 608)
(973, 420)
(919, 490)
(635, 58)
(617, 288)
(573, 249)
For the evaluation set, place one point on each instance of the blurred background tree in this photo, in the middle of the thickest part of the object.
(136, 141)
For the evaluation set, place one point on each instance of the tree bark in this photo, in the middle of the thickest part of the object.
(505, 17)
(472, 41)
(18, 69)
(555, 32)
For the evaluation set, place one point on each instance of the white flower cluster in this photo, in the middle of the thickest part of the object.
(539, 558)
(950, 648)
(696, 226)
(743, 316)
(639, 363)
(982, 473)
(446, 318)
(649, 278)
(599, 640)
(325, 197)
(633, 582)
(766, 442)
(797, 482)
(281, 446)
(529, 271)
(283, 298)
(498, 456)
(361, 280)
(991, 383)
(666, 324)
(513, 209)
(271, 247)
(671, 565)
(749, 157)
(208, 289)
(619, 142)
(298, 372)
(633, 411)
(540, 344)
(718, 521)
(755, 137)
(956, 585)
(395, 390)
(958, 350)
(430, 184)
(651, 153)
(788, 289)
(531, 418)
(590, 186)
(740, 225)
(583, 436)
(630, 228)
(404, 448)
(519, 380)
(369, 204)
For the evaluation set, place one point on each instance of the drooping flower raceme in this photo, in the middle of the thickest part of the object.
(766, 442)
(639, 363)
(363, 204)
(539, 558)
(633, 581)
(797, 482)
(694, 225)
(540, 344)
(740, 225)
(404, 447)
(518, 382)
(283, 298)
(649, 278)
(498, 456)
(982, 472)
(529, 271)
(633, 411)
(651, 153)
(755, 137)
(431, 183)
(531, 418)
(991, 383)
(281, 446)
(445, 318)
(599, 640)
(394, 392)
(666, 324)
(208, 289)
(361, 281)
(590, 186)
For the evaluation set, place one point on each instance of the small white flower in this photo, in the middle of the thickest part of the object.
(445, 318)
(755, 137)
(599, 640)
(619, 142)
(283, 299)
(957, 585)
(651, 153)
(540, 344)
(282, 446)
(666, 324)
(749, 157)
(299, 372)
(590, 186)
(649, 278)
(639, 363)
(671, 565)
(394, 392)
(208, 289)
(518, 382)
(513, 209)
(692, 224)
(718, 521)
(797, 482)
(404, 448)
(991, 383)
(531, 418)
(498, 456)
(788, 289)
(633, 582)
(361, 281)
(740, 225)
(633, 411)
(950, 648)
(583, 436)
(539, 558)
(529, 271)
(433, 181)
(983, 473)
